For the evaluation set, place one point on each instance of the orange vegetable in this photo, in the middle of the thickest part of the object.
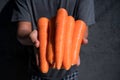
(42, 29)
(61, 19)
(78, 34)
(68, 42)
(51, 41)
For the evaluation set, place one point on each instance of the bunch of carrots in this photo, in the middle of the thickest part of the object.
(60, 41)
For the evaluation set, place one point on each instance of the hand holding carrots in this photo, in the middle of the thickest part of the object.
(59, 40)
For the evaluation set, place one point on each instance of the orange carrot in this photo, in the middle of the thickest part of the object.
(78, 34)
(42, 28)
(51, 41)
(68, 42)
(61, 19)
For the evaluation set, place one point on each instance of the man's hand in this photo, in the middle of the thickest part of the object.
(35, 41)
(84, 42)
(85, 39)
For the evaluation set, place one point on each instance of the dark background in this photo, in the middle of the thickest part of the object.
(100, 59)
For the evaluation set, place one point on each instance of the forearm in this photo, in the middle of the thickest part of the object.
(23, 32)
(25, 41)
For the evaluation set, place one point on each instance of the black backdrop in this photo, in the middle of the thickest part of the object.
(100, 59)
(13, 56)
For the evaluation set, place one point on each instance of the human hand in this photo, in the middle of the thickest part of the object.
(84, 42)
(35, 41)
(85, 39)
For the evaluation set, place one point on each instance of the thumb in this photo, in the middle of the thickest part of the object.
(34, 38)
(78, 63)
(85, 38)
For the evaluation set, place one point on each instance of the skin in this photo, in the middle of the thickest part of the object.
(26, 36)
(23, 31)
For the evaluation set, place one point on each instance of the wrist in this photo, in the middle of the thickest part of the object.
(26, 41)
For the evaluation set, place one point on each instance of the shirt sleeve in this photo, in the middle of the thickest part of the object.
(85, 11)
(21, 11)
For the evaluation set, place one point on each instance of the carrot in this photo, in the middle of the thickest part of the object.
(78, 34)
(51, 41)
(61, 19)
(68, 42)
(42, 28)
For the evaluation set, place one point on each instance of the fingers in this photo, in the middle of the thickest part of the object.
(85, 39)
(37, 56)
(78, 63)
(34, 38)
(35, 41)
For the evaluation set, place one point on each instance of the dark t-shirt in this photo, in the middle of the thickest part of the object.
(31, 10)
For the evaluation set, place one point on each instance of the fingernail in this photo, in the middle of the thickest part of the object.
(86, 41)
